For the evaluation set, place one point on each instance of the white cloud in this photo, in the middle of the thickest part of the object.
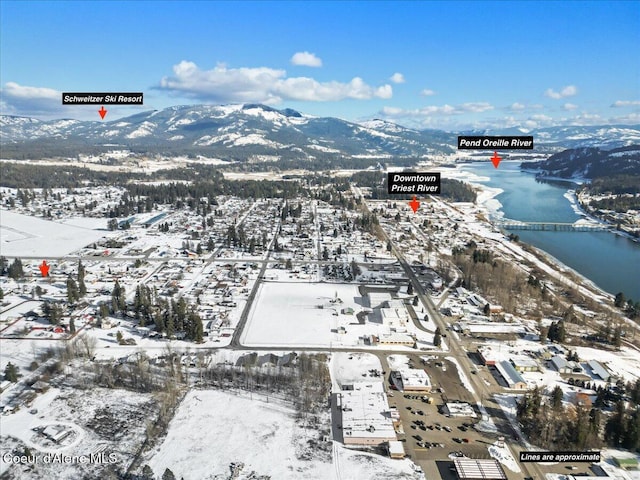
(568, 91)
(632, 118)
(626, 103)
(306, 59)
(471, 107)
(427, 92)
(476, 107)
(569, 106)
(24, 100)
(516, 107)
(263, 84)
(46, 104)
(18, 99)
(397, 78)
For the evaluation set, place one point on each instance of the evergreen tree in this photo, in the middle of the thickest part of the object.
(3, 265)
(168, 475)
(118, 301)
(556, 398)
(72, 290)
(355, 269)
(169, 325)
(147, 473)
(82, 288)
(104, 310)
(437, 338)
(15, 270)
(72, 326)
(52, 312)
(11, 372)
(615, 429)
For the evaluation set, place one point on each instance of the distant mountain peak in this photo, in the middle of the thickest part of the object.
(258, 132)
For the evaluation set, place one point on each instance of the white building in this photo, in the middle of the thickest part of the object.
(366, 416)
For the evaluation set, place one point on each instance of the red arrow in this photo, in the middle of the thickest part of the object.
(102, 112)
(44, 268)
(496, 159)
(414, 204)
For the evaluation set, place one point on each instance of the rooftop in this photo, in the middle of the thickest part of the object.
(471, 469)
(365, 412)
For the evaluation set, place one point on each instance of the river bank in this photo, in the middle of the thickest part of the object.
(487, 200)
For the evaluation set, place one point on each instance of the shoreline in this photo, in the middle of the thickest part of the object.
(492, 207)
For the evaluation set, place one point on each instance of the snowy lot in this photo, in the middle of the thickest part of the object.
(24, 235)
(100, 421)
(221, 428)
(298, 314)
(349, 368)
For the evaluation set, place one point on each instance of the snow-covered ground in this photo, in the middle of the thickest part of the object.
(349, 368)
(24, 235)
(221, 428)
(111, 422)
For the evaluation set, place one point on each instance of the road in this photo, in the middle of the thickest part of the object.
(482, 394)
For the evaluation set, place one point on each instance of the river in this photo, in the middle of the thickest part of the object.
(611, 261)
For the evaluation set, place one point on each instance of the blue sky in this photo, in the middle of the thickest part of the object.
(423, 64)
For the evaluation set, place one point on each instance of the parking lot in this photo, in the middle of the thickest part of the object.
(428, 433)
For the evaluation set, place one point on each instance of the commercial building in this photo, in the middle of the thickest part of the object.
(524, 364)
(366, 417)
(397, 339)
(411, 380)
(459, 409)
(563, 366)
(511, 376)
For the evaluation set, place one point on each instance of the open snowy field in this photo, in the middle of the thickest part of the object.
(23, 235)
(299, 314)
(212, 430)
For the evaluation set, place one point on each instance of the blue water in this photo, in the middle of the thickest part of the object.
(612, 262)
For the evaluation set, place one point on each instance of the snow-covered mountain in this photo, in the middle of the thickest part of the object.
(601, 136)
(254, 131)
(589, 162)
(236, 132)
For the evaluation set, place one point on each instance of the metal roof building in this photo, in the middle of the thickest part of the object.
(472, 469)
(511, 375)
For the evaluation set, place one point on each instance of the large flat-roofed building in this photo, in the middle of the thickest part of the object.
(473, 469)
(411, 380)
(394, 318)
(379, 299)
(366, 417)
(414, 380)
(489, 355)
(395, 338)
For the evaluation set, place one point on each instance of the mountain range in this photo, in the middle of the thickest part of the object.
(589, 162)
(255, 132)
